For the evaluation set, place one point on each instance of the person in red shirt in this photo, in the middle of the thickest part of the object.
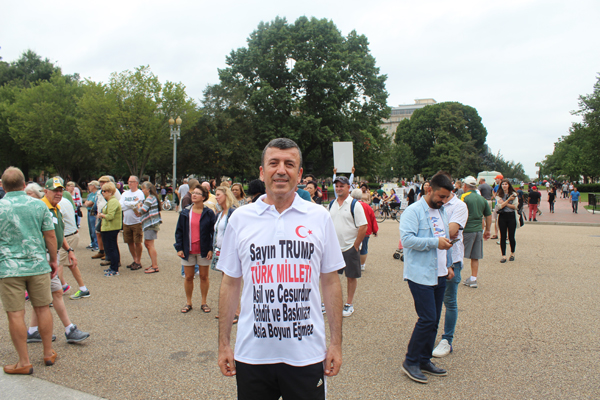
(372, 227)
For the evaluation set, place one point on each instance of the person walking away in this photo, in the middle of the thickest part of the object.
(372, 227)
(534, 201)
(270, 359)
(425, 235)
(133, 234)
(92, 210)
(193, 242)
(111, 219)
(574, 197)
(472, 234)
(552, 199)
(28, 231)
(505, 198)
(149, 213)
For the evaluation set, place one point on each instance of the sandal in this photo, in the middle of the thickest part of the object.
(494, 237)
(205, 308)
(235, 319)
(135, 266)
(512, 258)
(503, 260)
(186, 309)
(151, 270)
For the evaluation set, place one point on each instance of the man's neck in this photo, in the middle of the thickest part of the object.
(281, 202)
(341, 199)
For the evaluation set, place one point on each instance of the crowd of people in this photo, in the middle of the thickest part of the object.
(309, 239)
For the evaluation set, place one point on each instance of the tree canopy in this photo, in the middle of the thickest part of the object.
(578, 153)
(445, 136)
(307, 82)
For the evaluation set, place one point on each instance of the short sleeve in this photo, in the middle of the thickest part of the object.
(460, 214)
(47, 223)
(229, 260)
(332, 259)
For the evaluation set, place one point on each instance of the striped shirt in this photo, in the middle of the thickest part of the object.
(150, 213)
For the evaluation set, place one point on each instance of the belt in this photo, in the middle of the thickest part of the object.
(76, 232)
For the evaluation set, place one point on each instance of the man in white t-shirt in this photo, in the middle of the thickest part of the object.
(424, 233)
(351, 227)
(282, 247)
(133, 234)
(458, 213)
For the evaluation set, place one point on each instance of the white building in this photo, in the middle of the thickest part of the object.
(401, 112)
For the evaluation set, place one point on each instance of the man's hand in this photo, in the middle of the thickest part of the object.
(72, 259)
(54, 267)
(450, 275)
(333, 360)
(486, 235)
(226, 361)
(353, 169)
(334, 171)
(444, 243)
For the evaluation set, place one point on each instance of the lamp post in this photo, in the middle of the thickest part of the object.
(175, 134)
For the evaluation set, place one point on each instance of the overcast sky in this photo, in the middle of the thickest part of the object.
(521, 63)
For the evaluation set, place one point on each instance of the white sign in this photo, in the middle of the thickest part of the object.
(343, 156)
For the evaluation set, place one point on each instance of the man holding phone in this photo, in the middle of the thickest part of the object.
(425, 236)
(457, 213)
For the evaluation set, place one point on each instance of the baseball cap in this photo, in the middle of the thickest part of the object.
(54, 183)
(534, 187)
(469, 180)
(499, 176)
(342, 179)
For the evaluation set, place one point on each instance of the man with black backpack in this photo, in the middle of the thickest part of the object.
(350, 226)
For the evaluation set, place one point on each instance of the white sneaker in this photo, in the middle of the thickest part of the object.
(348, 310)
(362, 267)
(443, 349)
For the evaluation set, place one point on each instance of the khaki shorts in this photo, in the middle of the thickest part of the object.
(63, 255)
(12, 291)
(195, 259)
(133, 233)
(55, 284)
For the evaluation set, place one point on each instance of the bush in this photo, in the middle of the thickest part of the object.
(589, 187)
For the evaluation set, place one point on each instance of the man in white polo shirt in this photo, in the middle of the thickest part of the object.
(282, 247)
(351, 227)
(133, 234)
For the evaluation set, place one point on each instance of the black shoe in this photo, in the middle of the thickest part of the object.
(534, 220)
(414, 373)
(431, 369)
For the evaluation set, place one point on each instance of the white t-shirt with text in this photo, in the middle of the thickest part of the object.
(129, 201)
(280, 258)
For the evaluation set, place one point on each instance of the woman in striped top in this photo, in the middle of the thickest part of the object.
(149, 210)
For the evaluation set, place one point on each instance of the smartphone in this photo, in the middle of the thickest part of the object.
(454, 241)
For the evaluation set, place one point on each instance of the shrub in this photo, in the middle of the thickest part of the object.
(588, 187)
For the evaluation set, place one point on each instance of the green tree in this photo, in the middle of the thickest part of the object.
(126, 120)
(448, 136)
(307, 82)
(43, 122)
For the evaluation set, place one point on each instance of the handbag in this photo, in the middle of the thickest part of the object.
(519, 218)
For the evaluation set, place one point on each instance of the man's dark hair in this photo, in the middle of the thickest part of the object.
(281, 144)
(256, 187)
(13, 179)
(441, 180)
(311, 176)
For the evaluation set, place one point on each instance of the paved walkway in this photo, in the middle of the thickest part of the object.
(563, 213)
(529, 331)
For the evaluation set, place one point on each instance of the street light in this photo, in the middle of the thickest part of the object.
(175, 134)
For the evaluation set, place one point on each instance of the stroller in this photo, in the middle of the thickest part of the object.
(399, 254)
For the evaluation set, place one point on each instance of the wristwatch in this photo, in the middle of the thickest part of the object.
(70, 249)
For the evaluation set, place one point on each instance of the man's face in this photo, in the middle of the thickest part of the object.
(436, 199)
(133, 183)
(281, 172)
(54, 196)
(497, 181)
(342, 189)
(91, 188)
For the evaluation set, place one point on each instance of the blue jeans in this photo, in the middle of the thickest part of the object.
(428, 305)
(451, 304)
(92, 229)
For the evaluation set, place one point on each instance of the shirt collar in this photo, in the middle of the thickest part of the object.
(298, 204)
(45, 200)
